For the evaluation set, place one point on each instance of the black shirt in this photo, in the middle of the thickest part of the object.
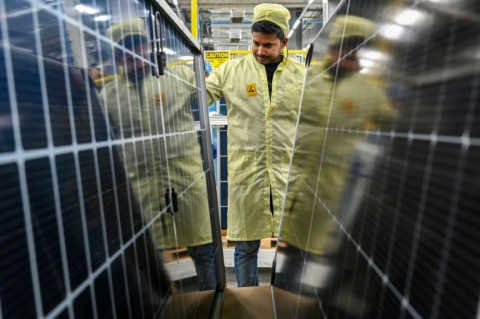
(270, 68)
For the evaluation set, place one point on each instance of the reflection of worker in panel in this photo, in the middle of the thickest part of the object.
(339, 106)
(262, 93)
(163, 160)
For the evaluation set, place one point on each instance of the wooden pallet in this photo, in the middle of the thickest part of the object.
(172, 255)
(266, 243)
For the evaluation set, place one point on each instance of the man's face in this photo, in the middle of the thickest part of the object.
(267, 48)
(135, 67)
(346, 58)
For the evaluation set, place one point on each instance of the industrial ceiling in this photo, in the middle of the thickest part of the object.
(225, 25)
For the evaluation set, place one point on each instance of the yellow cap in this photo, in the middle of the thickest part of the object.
(272, 12)
(344, 27)
(120, 30)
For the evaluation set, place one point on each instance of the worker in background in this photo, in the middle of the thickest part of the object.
(262, 92)
(339, 107)
(158, 112)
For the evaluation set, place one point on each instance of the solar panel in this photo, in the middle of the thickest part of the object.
(103, 168)
(380, 215)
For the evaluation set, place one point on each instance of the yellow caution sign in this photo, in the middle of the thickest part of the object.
(251, 89)
(217, 58)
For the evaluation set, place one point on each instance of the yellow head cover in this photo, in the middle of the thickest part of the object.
(272, 12)
(344, 27)
(120, 30)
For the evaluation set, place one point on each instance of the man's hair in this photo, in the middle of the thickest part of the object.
(130, 42)
(267, 27)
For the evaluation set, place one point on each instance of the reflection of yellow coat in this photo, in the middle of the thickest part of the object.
(260, 136)
(331, 113)
(156, 161)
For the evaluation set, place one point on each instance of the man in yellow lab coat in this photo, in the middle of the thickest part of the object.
(164, 153)
(262, 92)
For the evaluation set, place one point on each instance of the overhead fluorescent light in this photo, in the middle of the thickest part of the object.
(393, 32)
(365, 63)
(86, 9)
(169, 51)
(410, 17)
(374, 55)
(103, 17)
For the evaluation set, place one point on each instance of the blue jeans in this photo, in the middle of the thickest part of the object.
(246, 262)
(204, 261)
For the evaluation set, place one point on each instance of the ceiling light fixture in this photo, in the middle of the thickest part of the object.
(410, 17)
(103, 17)
(393, 32)
(86, 9)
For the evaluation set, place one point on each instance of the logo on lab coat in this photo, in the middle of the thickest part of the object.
(251, 89)
(348, 105)
(160, 98)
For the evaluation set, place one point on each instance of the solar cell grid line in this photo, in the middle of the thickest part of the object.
(418, 226)
(95, 159)
(111, 152)
(120, 142)
(136, 140)
(327, 125)
(371, 263)
(158, 126)
(137, 273)
(394, 227)
(148, 131)
(96, 166)
(454, 209)
(376, 226)
(172, 127)
(73, 22)
(464, 139)
(112, 229)
(75, 150)
(427, 176)
(411, 138)
(21, 166)
(99, 188)
(145, 131)
(61, 233)
(379, 272)
(94, 274)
